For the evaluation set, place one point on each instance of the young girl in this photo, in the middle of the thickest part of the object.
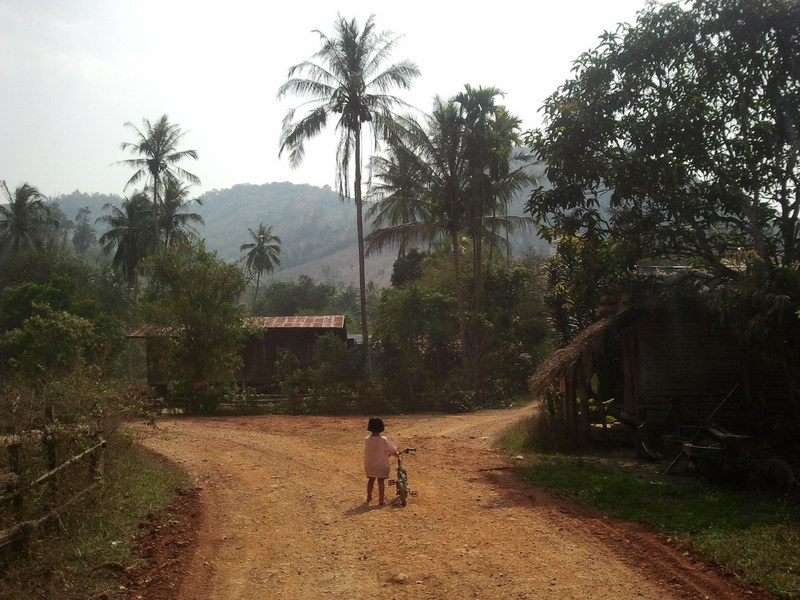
(377, 450)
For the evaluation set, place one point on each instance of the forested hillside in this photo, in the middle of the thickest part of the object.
(317, 229)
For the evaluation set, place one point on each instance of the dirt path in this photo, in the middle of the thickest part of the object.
(283, 516)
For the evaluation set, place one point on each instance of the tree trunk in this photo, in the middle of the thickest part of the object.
(362, 281)
(462, 326)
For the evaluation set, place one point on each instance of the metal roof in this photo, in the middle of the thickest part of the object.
(306, 322)
(312, 322)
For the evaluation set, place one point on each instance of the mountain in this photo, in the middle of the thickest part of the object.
(317, 229)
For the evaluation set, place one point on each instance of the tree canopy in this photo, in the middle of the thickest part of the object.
(679, 135)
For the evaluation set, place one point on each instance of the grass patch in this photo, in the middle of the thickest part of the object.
(58, 560)
(755, 535)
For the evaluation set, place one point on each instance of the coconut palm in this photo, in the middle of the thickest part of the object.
(397, 210)
(157, 160)
(264, 254)
(348, 83)
(130, 234)
(457, 170)
(177, 224)
(25, 219)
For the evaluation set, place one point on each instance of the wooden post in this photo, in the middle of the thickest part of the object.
(50, 441)
(15, 466)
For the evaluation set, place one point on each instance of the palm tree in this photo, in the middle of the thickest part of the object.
(25, 220)
(458, 170)
(130, 234)
(496, 171)
(348, 81)
(264, 254)
(398, 209)
(157, 159)
(176, 224)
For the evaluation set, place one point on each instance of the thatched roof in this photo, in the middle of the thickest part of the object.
(577, 355)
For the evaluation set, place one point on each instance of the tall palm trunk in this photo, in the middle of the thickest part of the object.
(462, 321)
(255, 294)
(362, 279)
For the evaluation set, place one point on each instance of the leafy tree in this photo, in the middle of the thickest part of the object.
(678, 137)
(264, 253)
(304, 296)
(65, 286)
(348, 82)
(196, 295)
(130, 234)
(49, 342)
(176, 223)
(85, 235)
(24, 218)
(414, 331)
(156, 148)
(407, 268)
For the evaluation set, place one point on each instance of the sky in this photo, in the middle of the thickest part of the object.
(73, 72)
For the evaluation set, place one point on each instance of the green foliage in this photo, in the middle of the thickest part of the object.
(48, 341)
(25, 221)
(286, 298)
(407, 268)
(513, 330)
(84, 236)
(703, 98)
(195, 294)
(68, 313)
(333, 383)
(414, 333)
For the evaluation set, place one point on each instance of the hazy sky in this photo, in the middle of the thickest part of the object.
(72, 72)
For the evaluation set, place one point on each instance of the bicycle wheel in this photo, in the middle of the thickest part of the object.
(402, 491)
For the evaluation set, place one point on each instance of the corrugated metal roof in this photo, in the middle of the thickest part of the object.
(313, 322)
(307, 322)
(147, 330)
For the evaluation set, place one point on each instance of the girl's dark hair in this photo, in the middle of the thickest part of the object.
(375, 425)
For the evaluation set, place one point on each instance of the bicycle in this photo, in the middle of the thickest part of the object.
(401, 483)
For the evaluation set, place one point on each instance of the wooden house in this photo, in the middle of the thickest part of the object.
(667, 367)
(297, 334)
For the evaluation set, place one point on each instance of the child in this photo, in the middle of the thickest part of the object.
(377, 450)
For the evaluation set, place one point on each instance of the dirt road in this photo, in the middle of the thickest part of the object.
(282, 515)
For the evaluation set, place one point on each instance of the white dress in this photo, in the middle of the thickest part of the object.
(377, 450)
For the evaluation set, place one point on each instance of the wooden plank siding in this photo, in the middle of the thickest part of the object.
(672, 365)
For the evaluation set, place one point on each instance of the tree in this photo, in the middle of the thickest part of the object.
(264, 254)
(84, 236)
(348, 82)
(130, 234)
(176, 223)
(157, 160)
(679, 135)
(449, 177)
(25, 219)
(398, 204)
(678, 138)
(195, 294)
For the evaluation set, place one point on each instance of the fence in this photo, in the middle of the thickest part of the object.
(34, 486)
